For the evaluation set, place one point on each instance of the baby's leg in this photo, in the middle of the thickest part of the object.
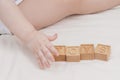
(42, 13)
(93, 6)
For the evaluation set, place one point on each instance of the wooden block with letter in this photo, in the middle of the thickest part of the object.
(62, 55)
(73, 54)
(102, 52)
(87, 52)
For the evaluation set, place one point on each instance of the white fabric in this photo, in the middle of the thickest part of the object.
(3, 28)
(17, 63)
(18, 1)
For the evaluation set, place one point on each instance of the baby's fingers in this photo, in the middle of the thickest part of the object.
(47, 54)
(52, 49)
(39, 61)
(43, 60)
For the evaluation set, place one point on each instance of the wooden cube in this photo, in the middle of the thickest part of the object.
(73, 54)
(62, 55)
(87, 52)
(102, 52)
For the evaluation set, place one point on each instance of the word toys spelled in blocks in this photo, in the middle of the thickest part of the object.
(62, 55)
(102, 52)
(83, 52)
(87, 52)
(73, 54)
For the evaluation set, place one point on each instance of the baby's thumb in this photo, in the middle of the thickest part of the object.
(52, 38)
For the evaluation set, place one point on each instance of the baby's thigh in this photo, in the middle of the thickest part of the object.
(42, 13)
(93, 6)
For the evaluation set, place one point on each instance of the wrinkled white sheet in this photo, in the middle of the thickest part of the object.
(17, 63)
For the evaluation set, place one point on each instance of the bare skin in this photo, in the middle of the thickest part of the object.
(49, 12)
(46, 12)
(31, 15)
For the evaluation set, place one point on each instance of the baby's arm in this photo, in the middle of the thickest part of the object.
(38, 42)
(14, 20)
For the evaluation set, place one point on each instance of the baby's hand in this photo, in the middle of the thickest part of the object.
(41, 46)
